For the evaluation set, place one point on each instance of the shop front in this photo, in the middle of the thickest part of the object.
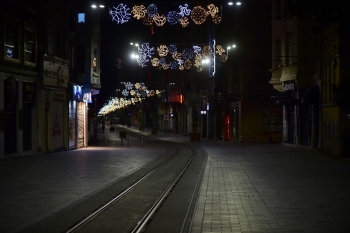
(18, 115)
(77, 119)
(53, 126)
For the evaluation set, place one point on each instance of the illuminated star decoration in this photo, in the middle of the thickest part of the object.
(120, 13)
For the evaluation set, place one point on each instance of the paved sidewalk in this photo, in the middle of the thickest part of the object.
(272, 188)
(35, 187)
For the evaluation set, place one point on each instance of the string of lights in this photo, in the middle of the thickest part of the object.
(151, 15)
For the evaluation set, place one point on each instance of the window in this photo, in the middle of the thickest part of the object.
(50, 37)
(30, 44)
(80, 56)
(11, 46)
(278, 9)
(81, 17)
(279, 60)
(290, 48)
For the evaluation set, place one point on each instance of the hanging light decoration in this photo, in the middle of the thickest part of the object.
(207, 51)
(162, 50)
(148, 20)
(139, 11)
(152, 10)
(172, 49)
(155, 61)
(188, 64)
(165, 66)
(173, 65)
(223, 57)
(173, 17)
(176, 56)
(212, 10)
(187, 53)
(184, 11)
(216, 19)
(120, 14)
(219, 49)
(198, 15)
(184, 21)
(159, 20)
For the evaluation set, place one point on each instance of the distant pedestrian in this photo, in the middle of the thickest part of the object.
(103, 128)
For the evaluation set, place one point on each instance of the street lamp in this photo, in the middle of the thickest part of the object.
(95, 6)
(238, 3)
(230, 47)
(97, 64)
(133, 55)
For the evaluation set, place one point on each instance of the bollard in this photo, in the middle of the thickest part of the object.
(143, 142)
(106, 141)
(121, 141)
(223, 142)
(127, 142)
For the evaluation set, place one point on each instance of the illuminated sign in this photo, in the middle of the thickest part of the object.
(87, 97)
(77, 93)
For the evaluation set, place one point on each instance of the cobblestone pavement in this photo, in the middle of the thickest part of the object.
(272, 188)
(245, 188)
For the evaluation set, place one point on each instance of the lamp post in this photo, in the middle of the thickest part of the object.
(96, 69)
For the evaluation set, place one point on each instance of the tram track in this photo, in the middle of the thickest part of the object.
(113, 206)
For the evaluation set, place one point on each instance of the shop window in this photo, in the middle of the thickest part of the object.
(11, 46)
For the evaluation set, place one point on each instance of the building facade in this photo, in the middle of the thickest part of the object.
(295, 74)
